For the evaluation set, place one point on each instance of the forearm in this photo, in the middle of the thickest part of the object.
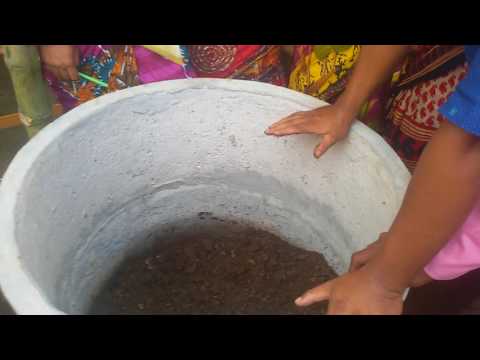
(375, 66)
(440, 195)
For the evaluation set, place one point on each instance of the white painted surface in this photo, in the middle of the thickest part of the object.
(79, 196)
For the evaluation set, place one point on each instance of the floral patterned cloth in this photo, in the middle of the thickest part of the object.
(130, 65)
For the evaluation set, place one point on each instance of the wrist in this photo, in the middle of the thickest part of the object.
(388, 275)
(346, 109)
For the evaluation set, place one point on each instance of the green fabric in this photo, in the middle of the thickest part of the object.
(8, 103)
(31, 91)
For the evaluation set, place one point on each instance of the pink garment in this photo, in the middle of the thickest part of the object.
(462, 252)
(153, 67)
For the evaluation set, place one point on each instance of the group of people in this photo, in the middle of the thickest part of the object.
(424, 100)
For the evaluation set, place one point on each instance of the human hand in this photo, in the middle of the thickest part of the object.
(362, 257)
(356, 293)
(61, 60)
(331, 121)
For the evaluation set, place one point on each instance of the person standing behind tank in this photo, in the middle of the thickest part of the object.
(129, 65)
(404, 109)
(322, 71)
(436, 233)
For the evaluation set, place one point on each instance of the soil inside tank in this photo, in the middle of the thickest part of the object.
(225, 268)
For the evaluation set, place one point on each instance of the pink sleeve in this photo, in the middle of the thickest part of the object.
(462, 252)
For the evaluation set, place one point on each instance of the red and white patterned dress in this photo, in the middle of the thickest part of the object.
(429, 76)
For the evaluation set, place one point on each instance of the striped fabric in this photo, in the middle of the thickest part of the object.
(429, 76)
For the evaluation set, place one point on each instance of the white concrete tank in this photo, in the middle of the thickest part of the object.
(77, 198)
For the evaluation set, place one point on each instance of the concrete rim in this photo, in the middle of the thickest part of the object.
(15, 282)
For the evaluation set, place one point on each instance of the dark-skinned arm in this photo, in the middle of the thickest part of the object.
(439, 197)
(374, 67)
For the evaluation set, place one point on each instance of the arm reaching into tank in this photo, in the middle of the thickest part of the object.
(375, 66)
(363, 257)
(439, 197)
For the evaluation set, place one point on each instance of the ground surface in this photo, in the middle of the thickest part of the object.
(11, 140)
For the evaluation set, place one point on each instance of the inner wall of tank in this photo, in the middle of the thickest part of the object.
(98, 192)
(258, 201)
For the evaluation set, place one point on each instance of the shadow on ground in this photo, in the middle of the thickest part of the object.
(11, 140)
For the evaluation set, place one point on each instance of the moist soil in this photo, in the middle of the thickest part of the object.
(229, 269)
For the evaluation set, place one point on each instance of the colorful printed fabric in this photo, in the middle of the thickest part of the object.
(248, 62)
(429, 76)
(405, 112)
(321, 70)
(154, 67)
(127, 65)
(114, 65)
(174, 53)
